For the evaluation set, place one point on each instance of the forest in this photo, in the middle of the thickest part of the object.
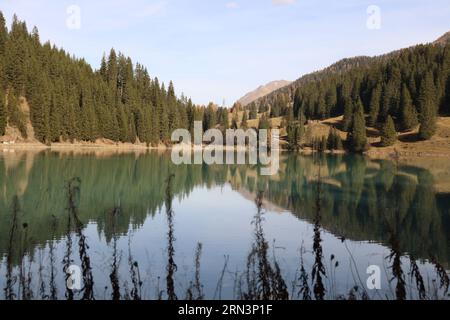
(395, 92)
(69, 101)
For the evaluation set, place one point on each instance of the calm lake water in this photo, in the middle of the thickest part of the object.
(134, 224)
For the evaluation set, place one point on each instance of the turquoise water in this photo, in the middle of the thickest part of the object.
(359, 213)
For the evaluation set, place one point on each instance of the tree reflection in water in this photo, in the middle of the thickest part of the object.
(351, 197)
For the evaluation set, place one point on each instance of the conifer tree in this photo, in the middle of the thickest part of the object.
(388, 133)
(348, 114)
(104, 69)
(264, 123)
(293, 136)
(428, 108)
(357, 139)
(3, 34)
(224, 123)
(244, 123)
(374, 107)
(112, 71)
(3, 113)
(253, 111)
(235, 120)
(408, 111)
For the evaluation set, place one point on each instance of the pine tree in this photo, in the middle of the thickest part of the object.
(388, 133)
(235, 120)
(348, 114)
(3, 34)
(301, 127)
(330, 100)
(173, 113)
(224, 123)
(428, 108)
(244, 123)
(264, 123)
(2, 113)
(112, 72)
(15, 55)
(104, 69)
(297, 103)
(408, 111)
(253, 111)
(357, 139)
(55, 120)
(374, 106)
(14, 115)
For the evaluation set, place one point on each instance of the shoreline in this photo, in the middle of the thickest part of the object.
(374, 153)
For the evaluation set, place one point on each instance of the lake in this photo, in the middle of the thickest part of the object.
(140, 227)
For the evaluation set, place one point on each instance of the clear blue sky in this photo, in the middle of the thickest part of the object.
(215, 50)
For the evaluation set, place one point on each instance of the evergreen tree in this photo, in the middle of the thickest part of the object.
(55, 120)
(15, 115)
(253, 111)
(388, 133)
(264, 123)
(428, 108)
(297, 103)
(244, 123)
(172, 108)
(374, 107)
(357, 139)
(224, 123)
(104, 69)
(112, 70)
(408, 111)
(3, 113)
(348, 114)
(235, 120)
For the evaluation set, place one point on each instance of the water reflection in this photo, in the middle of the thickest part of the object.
(50, 203)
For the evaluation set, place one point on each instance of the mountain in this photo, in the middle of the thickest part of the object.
(339, 68)
(444, 39)
(262, 91)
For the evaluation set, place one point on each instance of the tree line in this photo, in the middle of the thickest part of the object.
(396, 92)
(69, 101)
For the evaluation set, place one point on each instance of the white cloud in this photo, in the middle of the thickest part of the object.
(232, 5)
(282, 2)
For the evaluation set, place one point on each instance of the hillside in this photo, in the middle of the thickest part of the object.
(49, 96)
(356, 67)
(262, 91)
(445, 39)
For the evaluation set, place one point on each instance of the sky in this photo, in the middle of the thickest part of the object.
(218, 50)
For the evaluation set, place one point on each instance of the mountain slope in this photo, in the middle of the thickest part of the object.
(67, 101)
(341, 67)
(444, 39)
(262, 91)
